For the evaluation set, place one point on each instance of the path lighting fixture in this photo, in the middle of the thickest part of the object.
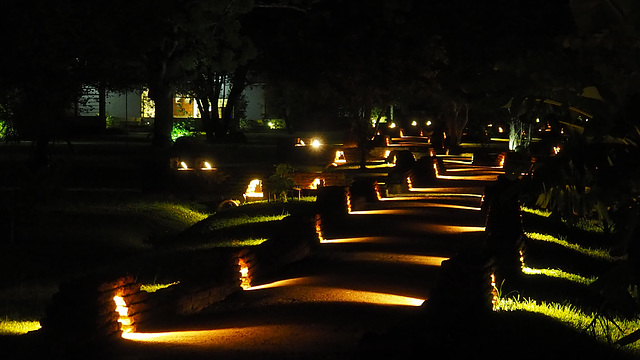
(414, 123)
(123, 315)
(245, 280)
(316, 143)
(392, 125)
(315, 184)
(494, 292)
(206, 166)
(428, 122)
(183, 166)
(319, 228)
(254, 189)
(339, 158)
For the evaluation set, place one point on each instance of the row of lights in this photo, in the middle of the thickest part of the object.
(203, 165)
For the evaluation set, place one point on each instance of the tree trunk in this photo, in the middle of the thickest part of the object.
(456, 118)
(362, 125)
(237, 87)
(205, 117)
(163, 122)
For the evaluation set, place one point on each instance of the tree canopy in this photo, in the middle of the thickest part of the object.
(449, 58)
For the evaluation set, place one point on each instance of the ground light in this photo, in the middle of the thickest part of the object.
(339, 158)
(126, 324)
(254, 190)
(245, 279)
(315, 143)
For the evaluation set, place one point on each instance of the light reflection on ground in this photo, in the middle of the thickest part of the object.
(410, 211)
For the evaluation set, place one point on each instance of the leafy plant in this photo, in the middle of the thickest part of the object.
(281, 181)
(180, 128)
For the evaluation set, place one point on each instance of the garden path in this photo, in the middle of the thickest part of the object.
(371, 273)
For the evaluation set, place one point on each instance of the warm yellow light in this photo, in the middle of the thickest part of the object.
(319, 293)
(254, 189)
(414, 123)
(183, 165)
(392, 125)
(429, 123)
(556, 150)
(121, 306)
(123, 315)
(388, 257)
(339, 158)
(319, 232)
(500, 129)
(494, 291)
(387, 153)
(207, 166)
(316, 182)
(316, 143)
(245, 280)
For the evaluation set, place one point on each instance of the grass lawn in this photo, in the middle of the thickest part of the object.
(116, 233)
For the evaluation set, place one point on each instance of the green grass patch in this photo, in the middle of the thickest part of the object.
(172, 215)
(594, 253)
(218, 223)
(233, 243)
(606, 330)
(557, 273)
(538, 212)
(13, 327)
(150, 288)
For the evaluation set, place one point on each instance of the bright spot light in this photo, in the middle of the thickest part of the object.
(392, 125)
(315, 183)
(340, 158)
(429, 123)
(316, 143)
(123, 315)
(207, 166)
(500, 129)
(183, 165)
(537, 120)
(245, 279)
(254, 189)
(414, 123)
